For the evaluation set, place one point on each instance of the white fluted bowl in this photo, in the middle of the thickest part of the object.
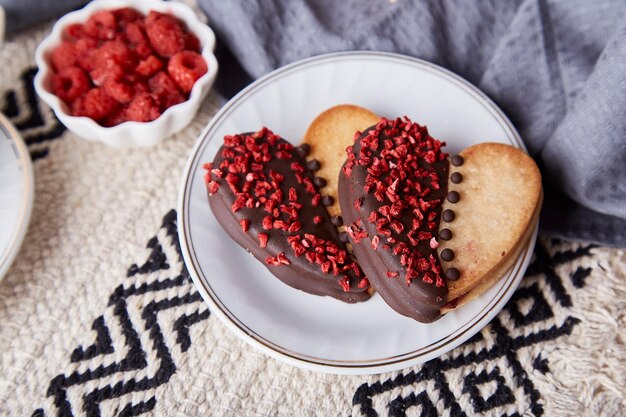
(128, 134)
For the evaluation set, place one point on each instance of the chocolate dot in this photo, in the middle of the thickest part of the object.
(336, 220)
(456, 178)
(304, 149)
(313, 165)
(457, 160)
(343, 236)
(445, 234)
(452, 274)
(328, 200)
(319, 181)
(447, 255)
(448, 215)
(453, 197)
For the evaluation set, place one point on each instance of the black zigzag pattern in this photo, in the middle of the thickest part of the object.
(38, 125)
(502, 386)
(485, 375)
(134, 372)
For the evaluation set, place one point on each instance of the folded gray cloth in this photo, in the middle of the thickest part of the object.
(23, 13)
(557, 68)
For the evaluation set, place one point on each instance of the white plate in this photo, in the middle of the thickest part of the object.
(16, 192)
(321, 333)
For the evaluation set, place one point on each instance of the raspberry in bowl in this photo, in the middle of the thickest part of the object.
(127, 73)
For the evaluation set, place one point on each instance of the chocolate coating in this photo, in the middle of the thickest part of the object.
(453, 197)
(456, 178)
(313, 165)
(418, 299)
(445, 234)
(447, 254)
(337, 220)
(304, 149)
(299, 273)
(448, 215)
(457, 160)
(453, 274)
(319, 181)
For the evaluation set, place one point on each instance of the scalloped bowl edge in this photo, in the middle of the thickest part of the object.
(129, 134)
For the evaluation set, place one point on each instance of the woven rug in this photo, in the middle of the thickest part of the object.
(98, 315)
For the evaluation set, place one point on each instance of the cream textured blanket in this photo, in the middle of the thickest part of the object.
(98, 316)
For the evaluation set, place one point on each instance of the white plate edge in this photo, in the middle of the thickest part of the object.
(28, 197)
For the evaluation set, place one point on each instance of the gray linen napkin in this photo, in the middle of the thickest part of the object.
(557, 68)
(23, 13)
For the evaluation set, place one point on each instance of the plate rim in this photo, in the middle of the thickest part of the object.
(403, 360)
(28, 194)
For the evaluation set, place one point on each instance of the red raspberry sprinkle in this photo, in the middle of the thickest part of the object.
(400, 164)
(255, 185)
(279, 259)
(363, 283)
(345, 283)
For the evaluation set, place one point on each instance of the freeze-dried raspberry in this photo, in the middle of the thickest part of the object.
(143, 50)
(116, 51)
(185, 68)
(162, 83)
(103, 73)
(74, 32)
(122, 93)
(149, 66)
(126, 15)
(135, 32)
(165, 90)
(165, 34)
(168, 100)
(192, 43)
(101, 25)
(143, 108)
(141, 86)
(86, 44)
(63, 56)
(118, 116)
(86, 48)
(70, 84)
(110, 62)
(95, 104)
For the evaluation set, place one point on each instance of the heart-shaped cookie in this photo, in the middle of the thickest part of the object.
(428, 235)
(495, 194)
(265, 197)
(328, 136)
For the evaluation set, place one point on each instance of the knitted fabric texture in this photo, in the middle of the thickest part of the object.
(98, 316)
